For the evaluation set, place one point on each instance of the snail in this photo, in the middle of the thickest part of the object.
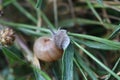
(51, 48)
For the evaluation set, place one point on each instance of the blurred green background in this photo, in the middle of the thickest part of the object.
(93, 27)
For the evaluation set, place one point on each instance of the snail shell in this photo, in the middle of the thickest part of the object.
(45, 49)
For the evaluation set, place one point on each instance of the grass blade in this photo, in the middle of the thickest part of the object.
(39, 2)
(81, 21)
(81, 70)
(115, 32)
(40, 75)
(94, 11)
(115, 66)
(80, 63)
(97, 61)
(25, 12)
(56, 68)
(97, 39)
(11, 56)
(7, 2)
(30, 32)
(96, 45)
(76, 74)
(19, 25)
(67, 63)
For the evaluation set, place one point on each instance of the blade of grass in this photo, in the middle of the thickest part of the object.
(56, 68)
(44, 17)
(25, 12)
(97, 61)
(80, 69)
(76, 73)
(105, 5)
(40, 75)
(67, 63)
(80, 63)
(31, 32)
(81, 21)
(101, 40)
(94, 11)
(96, 45)
(115, 66)
(11, 56)
(39, 2)
(7, 2)
(115, 32)
(19, 25)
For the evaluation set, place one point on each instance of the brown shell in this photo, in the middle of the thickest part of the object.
(46, 50)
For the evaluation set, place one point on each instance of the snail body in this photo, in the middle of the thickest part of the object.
(51, 48)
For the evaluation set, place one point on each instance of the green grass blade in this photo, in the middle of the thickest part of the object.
(81, 21)
(19, 25)
(97, 61)
(56, 68)
(80, 70)
(97, 39)
(25, 12)
(115, 66)
(115, 32)
(40, 75)
(76, 73)
(7, 2)
(67, 63)
(80, 63)
(31, 32)
(39, 2)
(11, 56)
(96, 45)
(94, 11)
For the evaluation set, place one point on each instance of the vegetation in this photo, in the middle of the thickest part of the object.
(93, 28)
